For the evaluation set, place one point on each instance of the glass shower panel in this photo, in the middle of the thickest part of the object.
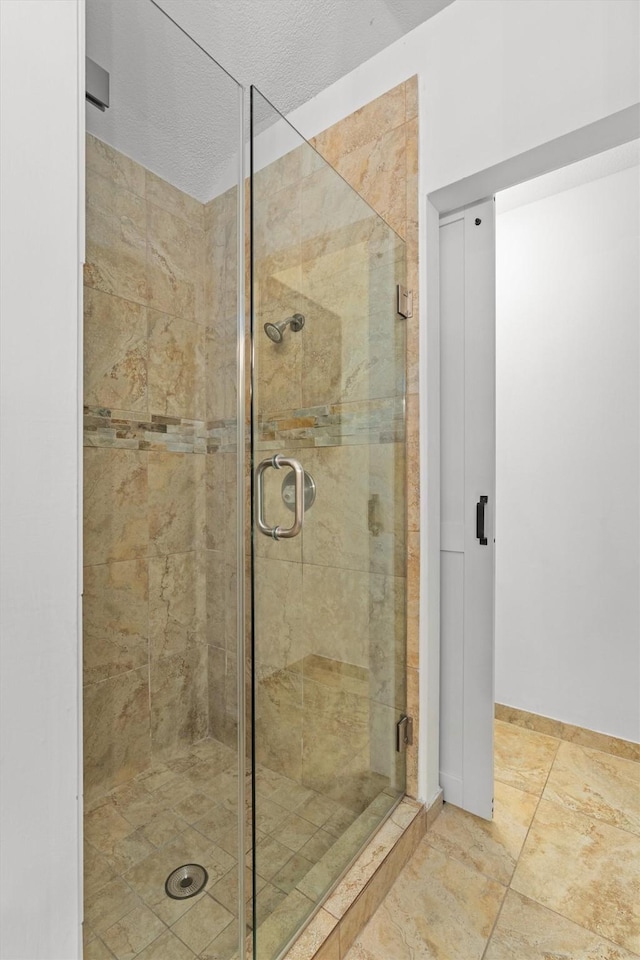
(163, 527)
(328, 446)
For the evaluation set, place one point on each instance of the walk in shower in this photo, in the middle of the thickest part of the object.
(244, 532)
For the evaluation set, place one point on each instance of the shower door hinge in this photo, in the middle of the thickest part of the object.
(405, 302)
(404, 733)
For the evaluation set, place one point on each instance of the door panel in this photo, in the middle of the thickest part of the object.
(329, 625)
(467, 372)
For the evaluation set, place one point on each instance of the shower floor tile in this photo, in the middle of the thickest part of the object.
(185, 810)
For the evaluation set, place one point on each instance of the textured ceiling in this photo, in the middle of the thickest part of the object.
(176, 112)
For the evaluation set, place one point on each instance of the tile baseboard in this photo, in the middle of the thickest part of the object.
(626, 749)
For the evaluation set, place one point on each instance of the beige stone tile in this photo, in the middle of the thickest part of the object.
(585, 870)
(294, 832)
(217, 533)
(315, 848)
(292, 795)
(176, 603)
(411, 94)
(492, 847)
(176, 367)
(269, 815)
(332, 766)
(337, 613)
(221, 603)
(225, 945)
(271, 857)
(330, 950)
(195, 807)
(115, 352)
(408, 843)
(174, 252)
(280, 641)
(530, 932)
(147, 878)
(114, 619)
(353, 833)
(435, 809)
(340, 820)
(166, 946)
(175, 201)
(114, 166)
(522, 758)
(116, 239)
(282, 922)
(337, 528)
(221, 372)
(97, 870)
(179, 702)
(202, 924)
(129, 850)
(276, 221)
(364, 868)
(176, 516)
(406, 812)
(109, 904)
(596, 783)
(279, 718)
(130, 935)
(115, 505)
(378, 170)
(317, 809)
(348, 353)
(117, 742)
(313, 939)
(365, 125)
(626, 749)
(287, 878)
(96, 950)
(377, 887)
(129, 799)
(268, 900)
(217, 680)
(438, 909)
(155, 776)
(163, 827)
(413, 462)
(387, 642)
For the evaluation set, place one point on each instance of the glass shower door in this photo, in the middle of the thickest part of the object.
(328, 531)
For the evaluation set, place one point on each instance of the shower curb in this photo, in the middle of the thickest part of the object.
(333, 929)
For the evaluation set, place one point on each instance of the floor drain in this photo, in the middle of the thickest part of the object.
(186, 881)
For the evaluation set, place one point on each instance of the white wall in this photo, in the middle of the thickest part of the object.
(496, 79)
(568, 434)
(39, 551)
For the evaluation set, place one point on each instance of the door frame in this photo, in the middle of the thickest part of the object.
(611, 131)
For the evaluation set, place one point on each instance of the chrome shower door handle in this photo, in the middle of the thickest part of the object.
(277, 462)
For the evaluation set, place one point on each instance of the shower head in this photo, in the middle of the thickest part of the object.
(275, 331)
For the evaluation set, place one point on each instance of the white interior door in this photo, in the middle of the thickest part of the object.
(467, 466)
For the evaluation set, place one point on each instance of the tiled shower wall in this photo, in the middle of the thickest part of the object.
(375, 149)
(333, 599)
(157, 386)
(160, 467)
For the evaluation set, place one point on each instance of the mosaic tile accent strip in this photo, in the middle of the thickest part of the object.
(372, 422)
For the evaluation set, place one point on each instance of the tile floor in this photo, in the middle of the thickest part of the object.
(165, 817)
(556, 876)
